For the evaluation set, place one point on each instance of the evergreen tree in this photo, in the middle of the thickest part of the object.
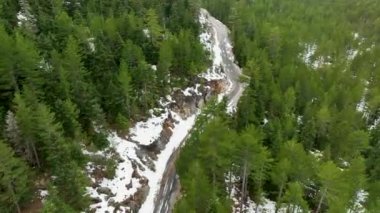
(294, 198)
(15, 179)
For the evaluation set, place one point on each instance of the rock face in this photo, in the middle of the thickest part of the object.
(184, 105)
(134, 202)
(217, 86)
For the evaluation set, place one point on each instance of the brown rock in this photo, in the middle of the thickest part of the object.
(129, 185)
(136, 174)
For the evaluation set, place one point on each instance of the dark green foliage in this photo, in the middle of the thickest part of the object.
(15, 180)
(293, 107)
(71, 69)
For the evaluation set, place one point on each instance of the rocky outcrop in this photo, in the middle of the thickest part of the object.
(184, 106)
(104, 190)
(217, 86)
(135, 201)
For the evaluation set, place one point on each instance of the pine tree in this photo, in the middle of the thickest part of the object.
(12, 132)
(294, 198)
(279, 174)
(125, 80)
(254, 163)
(199, 191)
(332, 192)
(212, 142)
(15, 179)
(164, 64)
(68, 114)
(26, 121)
(153, 26)
(8, 81)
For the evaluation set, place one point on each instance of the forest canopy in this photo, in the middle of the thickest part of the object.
(306, 131)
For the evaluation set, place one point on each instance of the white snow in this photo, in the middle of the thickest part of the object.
(356, 36)
(146, 32)
(375, 124)
(362, 105)
(179, 134)
(361, 197)
(42, 193)
(316, 154)
(164, 102)
(265, 121)
(21, 17)
(145, 132)
(212, 45)
(124, 170)
(91, 44)
(267, 206)
(123, 176)
(299, 119)
(192, 90)
(205, 39)
(45, 66)
(351, 54)
(309, 53)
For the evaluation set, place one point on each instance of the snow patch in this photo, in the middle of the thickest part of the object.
(146, 32)
(309, 58)
(190, 91)
(375, 124)
(211, 44)
(43, 194)
(180, 132)
(267, 206)
(21, 17)
(360, 199)
(146, 132)
(317, 154)
(91, 44)
(351, 54)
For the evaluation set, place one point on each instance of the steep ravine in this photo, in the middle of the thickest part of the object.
(170, 186)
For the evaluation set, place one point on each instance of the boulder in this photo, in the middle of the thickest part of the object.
(104, 190)
(135, 174)
(129, 185)
(95, 200)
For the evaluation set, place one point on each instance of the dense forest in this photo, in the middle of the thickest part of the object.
(306, 133)
(72, 69)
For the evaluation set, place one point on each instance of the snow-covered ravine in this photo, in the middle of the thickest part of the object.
(143, 156)
(217, 41)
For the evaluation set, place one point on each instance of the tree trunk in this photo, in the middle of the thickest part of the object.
(36, 155)
(243, 185)
(17, 206)
(213, 179)
(145, 98)
(321, 201)
(230, 183)
(14, 197)
(259, 185)
(279, 197)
